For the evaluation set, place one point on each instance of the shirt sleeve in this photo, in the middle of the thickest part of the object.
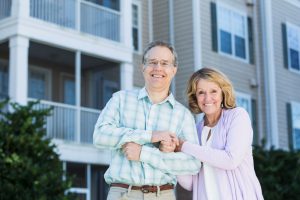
(238, 143)
(109, 134)
(175, 163)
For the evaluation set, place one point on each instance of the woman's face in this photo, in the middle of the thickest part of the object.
(209, 97)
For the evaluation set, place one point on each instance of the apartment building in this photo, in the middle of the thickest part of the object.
(73, 54)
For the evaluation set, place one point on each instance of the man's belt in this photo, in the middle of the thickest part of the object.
(144, 188)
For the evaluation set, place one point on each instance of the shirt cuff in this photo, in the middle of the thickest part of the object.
(145, 155)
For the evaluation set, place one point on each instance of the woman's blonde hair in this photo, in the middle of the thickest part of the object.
(214, 76)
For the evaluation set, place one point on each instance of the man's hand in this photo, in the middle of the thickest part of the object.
(132, 151)
(167, 146)
(166, 136)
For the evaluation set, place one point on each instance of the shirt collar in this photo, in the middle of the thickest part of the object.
(143, 93)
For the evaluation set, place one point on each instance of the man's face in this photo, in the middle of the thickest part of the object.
(159, 69)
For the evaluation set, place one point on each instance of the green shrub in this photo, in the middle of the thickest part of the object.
(29, 166)
(278, 172)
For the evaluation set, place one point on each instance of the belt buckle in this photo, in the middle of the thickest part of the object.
(144, 190)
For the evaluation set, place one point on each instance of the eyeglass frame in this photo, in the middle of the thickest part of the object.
(160, 62)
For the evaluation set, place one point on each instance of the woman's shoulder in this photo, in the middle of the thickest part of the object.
(235, 112)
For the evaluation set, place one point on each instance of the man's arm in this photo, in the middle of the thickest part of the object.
(173, 163)
(108, 132)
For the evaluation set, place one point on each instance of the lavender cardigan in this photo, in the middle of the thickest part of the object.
(230, 155)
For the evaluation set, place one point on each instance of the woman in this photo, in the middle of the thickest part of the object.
(225, 137)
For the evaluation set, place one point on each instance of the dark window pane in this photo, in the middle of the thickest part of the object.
(297, 138)
(240, 49)
(78, 172)
(3, 82)
(135, 38)
(99, 186)
(226, 42)
(294, 59)
(112, 4)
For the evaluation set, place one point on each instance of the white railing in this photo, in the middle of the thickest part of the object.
(89, 18)
(61, 12)
(61, 124)
(100, 21)
(88, 119)
(5, 8)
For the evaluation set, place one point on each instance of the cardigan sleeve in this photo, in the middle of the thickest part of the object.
(186, 181)
(238, 141)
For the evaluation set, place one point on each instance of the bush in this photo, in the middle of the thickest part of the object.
(29, 166)
(278, 172)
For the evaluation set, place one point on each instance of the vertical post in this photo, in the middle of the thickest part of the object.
(20, 8)
(126, 73)
(126, 23)
(18, 69)
(78, 94)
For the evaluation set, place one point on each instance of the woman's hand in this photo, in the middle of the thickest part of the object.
(179, 146)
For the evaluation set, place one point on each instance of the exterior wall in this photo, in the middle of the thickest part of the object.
(183, 32)
(287, 84)
(160, 18)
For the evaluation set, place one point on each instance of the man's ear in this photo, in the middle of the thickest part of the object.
(142, 67)
(175, 70)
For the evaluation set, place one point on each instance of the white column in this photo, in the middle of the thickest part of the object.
(126, 23)
(78, 94)
(126, 76)
(20, 8)
(18, 69)
(150, 20)
(269, 73)
(197, 35)
(172, 39)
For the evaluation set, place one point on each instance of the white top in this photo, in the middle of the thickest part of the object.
(211, 186)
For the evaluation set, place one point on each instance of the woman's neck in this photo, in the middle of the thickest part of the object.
(212, 120)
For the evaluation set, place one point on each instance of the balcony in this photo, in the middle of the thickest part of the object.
(81, 15)
(69, 123)
(5, 9)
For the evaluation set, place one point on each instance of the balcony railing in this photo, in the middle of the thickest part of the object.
(5, 8)
(62, 123)
(89, 18)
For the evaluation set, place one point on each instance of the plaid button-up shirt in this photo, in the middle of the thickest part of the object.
(129, 116)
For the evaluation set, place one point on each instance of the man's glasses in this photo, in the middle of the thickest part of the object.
(155, 63)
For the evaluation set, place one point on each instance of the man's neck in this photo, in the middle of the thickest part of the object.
(157, 96)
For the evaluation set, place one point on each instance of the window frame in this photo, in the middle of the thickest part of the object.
(294, 105)
(248, 98)
(138, 27)
(48, 80)
(288, 27)
(245, 23)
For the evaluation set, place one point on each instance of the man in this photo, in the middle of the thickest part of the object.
(134, 122)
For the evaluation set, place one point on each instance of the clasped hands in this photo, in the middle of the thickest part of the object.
(169, 142)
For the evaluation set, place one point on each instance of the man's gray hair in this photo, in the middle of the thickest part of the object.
(161, 44)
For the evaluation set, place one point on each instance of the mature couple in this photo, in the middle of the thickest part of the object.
(155, 142)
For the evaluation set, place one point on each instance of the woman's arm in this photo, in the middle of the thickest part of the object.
(238, 142)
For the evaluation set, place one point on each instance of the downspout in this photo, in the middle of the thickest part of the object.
(269, 74)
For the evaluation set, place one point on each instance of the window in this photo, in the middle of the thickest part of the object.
(112, 4)
(294, 110)
(136, 31)
(39, 83)
(293, 47)
(3, 80)
(231, 32)
(244, 100)
(88, 180)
